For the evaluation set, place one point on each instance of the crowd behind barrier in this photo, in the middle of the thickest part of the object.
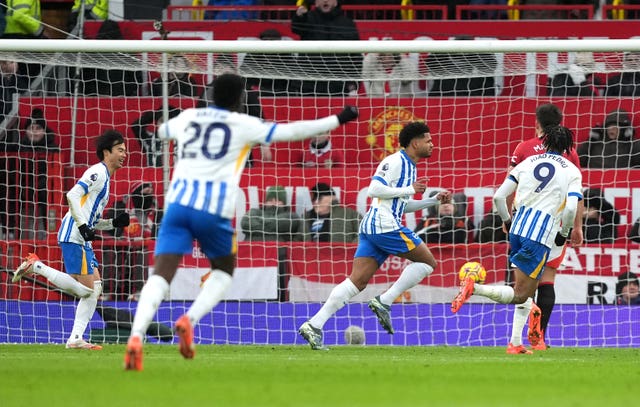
(445, 10)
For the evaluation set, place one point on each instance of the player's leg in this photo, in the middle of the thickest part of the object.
(362, 271)
(174, 240)
(217, 240)
(33, 264)
(86, 305)
(545, 299)
(423, 265)
(543, 307)
(408, 245)
(366, 262)
(520, 315)
(529, 258)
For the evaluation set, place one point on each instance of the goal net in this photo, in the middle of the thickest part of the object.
(479, 98)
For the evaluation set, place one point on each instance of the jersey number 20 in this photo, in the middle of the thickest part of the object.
(204, 137)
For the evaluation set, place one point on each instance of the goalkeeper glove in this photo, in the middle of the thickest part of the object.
(87, 233)
(121, 220)
(347, 114)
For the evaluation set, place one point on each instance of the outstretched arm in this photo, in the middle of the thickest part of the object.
(309, 128)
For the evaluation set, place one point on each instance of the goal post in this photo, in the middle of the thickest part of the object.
(479, 99)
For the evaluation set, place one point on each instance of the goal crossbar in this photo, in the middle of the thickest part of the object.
(321, 47)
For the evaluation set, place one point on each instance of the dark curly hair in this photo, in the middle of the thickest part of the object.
(557, 139)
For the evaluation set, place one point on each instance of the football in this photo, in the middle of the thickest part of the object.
(354, 335)
(474, 270)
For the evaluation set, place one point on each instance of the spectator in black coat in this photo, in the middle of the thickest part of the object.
(600, 218)
(328, 22)
(627, 83)
(612, 144)
(144, 128)
(474, 73)
(109, 82)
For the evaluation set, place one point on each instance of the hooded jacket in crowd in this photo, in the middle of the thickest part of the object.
(273, 222)
(602, 151)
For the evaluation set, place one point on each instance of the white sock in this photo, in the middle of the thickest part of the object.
(84, 312)
(340, 295)
(151, 296)
(520, 315)
(498, 293)
(212, 293)
(410, 277)
(62, 280)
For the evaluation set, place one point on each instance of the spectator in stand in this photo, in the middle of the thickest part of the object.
(628, 289)
(451, 5)
(144, 215)
(232, 14)
(612, 144)
(274, 221)
(179, 82)
(601, 220)
(24, 21)
(109, 82)
(484, 14)
(578, 79)
(97, 10)
(328, 221)
(546, 14)
(327, 21)
(9, 86)
(634, 233)
(626, 83)
(35, 137)
(490, 229)
(390, 74)
(445, 224)
(145, 127)
(320, 153)
(474, 73)
(258, 69)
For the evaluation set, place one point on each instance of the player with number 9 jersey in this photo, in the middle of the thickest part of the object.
(543, 183)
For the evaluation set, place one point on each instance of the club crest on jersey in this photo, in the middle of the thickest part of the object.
(384, 129)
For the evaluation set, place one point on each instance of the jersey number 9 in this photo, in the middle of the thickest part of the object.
(544, 176)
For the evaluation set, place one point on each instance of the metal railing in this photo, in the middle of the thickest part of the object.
(356, 12)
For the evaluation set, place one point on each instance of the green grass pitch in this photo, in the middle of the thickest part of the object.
(49, 375)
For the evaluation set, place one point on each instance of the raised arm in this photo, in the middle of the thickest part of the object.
(309, 128)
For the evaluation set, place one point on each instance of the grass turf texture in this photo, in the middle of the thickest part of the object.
(50, 375)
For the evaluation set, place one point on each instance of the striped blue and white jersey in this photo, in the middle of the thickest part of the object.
(543, 184)
(95, 183)
(385, 215)
(212, 147)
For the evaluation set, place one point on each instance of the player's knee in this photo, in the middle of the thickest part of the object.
(97, 288)
(424, 269)
(360, 283)
(83, 291)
